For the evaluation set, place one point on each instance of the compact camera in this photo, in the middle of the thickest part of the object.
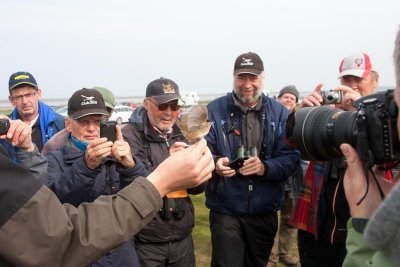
(318, 132)
(241, 156)
(4, 126)
(331, 97)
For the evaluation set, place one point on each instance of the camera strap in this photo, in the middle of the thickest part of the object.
(365, 152)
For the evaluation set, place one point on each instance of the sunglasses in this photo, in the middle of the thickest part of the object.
(174, 106)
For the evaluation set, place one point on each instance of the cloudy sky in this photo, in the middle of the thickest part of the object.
(124, 44)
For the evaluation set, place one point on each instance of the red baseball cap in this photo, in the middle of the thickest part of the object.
(358, 65)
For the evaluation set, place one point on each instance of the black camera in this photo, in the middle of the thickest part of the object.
(318, 132)
(107, 129)
(241, 156)
(4, 126)
(331, 97)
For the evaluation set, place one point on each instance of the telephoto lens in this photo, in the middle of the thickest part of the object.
(318, 132)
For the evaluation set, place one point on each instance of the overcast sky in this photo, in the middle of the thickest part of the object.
(123, 45)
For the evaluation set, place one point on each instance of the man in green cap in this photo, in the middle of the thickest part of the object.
(108, 97)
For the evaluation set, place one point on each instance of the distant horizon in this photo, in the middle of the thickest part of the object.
(4, 103)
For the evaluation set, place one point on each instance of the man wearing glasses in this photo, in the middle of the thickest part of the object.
(88, 166)
(24, 96)
(152, 135)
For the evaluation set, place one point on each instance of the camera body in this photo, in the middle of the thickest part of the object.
(107, 129)
(241, 156)
(4, 126)
(331, 97)
(318, 132)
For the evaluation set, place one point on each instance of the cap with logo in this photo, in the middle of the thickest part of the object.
(163, 90)
(248, 63)
(21, 77)
(107, 95)
(358, 65)
(86, 102)
(290, 89)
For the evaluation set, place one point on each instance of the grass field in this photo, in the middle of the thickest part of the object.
(201, 233)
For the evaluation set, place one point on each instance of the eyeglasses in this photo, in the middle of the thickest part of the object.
(19, 98)
(87, 122)
(161, 107)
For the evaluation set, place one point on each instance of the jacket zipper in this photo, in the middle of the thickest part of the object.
(250, 190)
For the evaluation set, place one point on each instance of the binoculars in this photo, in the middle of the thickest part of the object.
(242, 155)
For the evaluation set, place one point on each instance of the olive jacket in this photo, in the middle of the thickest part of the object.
(37, 230)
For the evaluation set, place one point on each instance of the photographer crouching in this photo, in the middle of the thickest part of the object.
(321, 211)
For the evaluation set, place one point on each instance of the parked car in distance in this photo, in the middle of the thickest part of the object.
(121, 114)
(62, 110)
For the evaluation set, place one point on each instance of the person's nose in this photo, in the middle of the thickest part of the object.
(91, 127)
(24, 99)
(247, 83)
(353, 84)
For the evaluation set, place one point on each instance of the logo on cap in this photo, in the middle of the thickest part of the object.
(21, 76)
(359, 61)
(168, 89)
(246, 62)
(88, 100)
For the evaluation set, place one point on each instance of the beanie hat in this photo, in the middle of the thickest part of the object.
(291, 89)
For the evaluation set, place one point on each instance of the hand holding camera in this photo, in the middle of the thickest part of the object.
(247, 162)
(17, 132)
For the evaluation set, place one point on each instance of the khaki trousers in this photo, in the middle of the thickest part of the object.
(284, 239)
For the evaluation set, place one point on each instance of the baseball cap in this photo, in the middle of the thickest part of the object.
(358, 65)
(291, 89)
(107, 95)
(86, 102)
(248, 63)
(163, 90)
(21, 77)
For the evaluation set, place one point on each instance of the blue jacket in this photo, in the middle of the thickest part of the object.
(75, 183)
(50, 123)
(231, 195)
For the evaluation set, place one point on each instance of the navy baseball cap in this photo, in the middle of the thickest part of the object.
(21, 77)
(163, 90)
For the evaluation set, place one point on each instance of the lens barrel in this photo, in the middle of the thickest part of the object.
(318, 132)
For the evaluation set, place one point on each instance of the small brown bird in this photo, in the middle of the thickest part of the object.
(194, 123)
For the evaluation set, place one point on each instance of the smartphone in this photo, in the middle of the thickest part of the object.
(107, 129)
(236, 164)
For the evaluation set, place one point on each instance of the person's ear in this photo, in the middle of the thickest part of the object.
(11, 100)
(68, 124)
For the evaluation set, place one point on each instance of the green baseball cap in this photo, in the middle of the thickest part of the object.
(108, 96)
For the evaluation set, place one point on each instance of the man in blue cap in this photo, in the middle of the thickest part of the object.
(24, 96)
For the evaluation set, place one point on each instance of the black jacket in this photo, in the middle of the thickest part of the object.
(152, 149)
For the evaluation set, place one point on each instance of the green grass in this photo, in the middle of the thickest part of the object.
(201, 232)
(202, 235)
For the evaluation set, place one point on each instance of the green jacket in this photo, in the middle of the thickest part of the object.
(359, 253)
